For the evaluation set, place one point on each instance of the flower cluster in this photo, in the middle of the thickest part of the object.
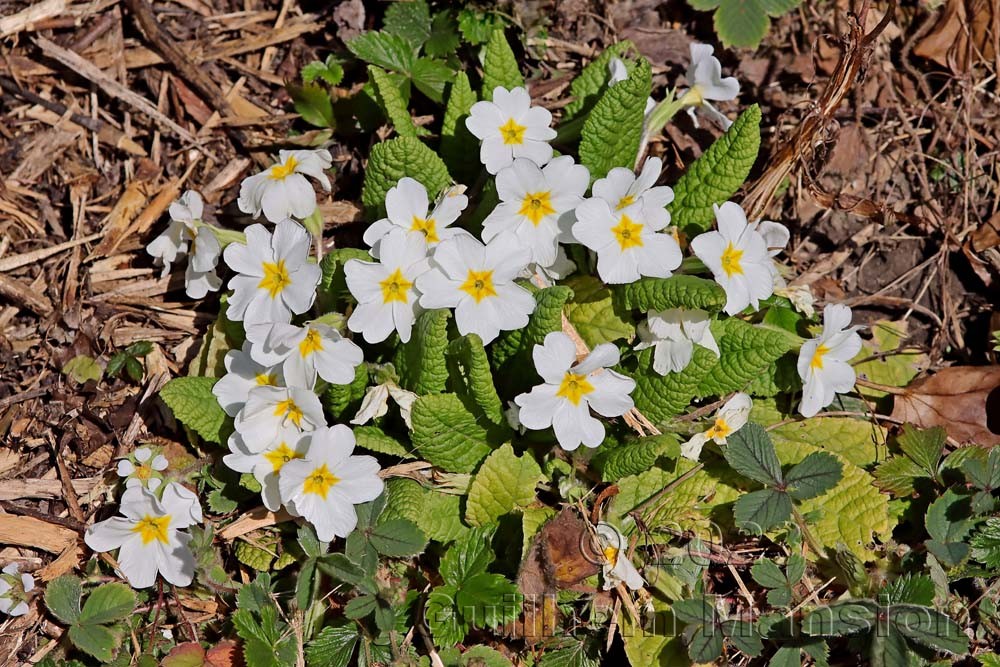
(15, 588)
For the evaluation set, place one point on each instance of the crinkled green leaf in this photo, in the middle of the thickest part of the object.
(62, 597)
(505, 482)
(459, 147)
(546, 319)
(388, 51)
(477, 377)
(375, 439)
(856, 440)
(410, 20)
(332, 293)
(746, 351)
(447, 434)
(662, 397)
(678, 291)
(439, 515)
(985, 543)
(446, 625)
(108, 603)
(343, 400)
(193, 403)
(751, 453)
(500, 66)
(813, 476)
(333, 646)
(715, 176)
(593, 78)
(592, 311)
(392, 160)
(613, 130)
(635, 456)
(392, 102)
(398, 538)
(839, 619)
(421, 361)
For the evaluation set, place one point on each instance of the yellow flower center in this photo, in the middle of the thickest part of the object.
(574, 387)
(152, 528)
(720, 429)
(275, 278)
(426, 225)
(319, 481)
(313, 342)
(627, 200)
(266, 379)
(479, 285)
(536, 205)
(731, 257)
(395, 287)
(816, 363)
(280, 456)
(628, 233)
(143, 472)
(611, 555)
(282, 171)
(288, 410)
(512, 133)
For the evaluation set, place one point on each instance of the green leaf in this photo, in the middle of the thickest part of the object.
(908, 589)
(889, 649)
(929, 627)
(341, 568)
(499, 65)
(108, 603)
(662, 397)
(813, 476)
(439, 515)
(330, 71)
(897, 475)
(409, 20)
(313, 103)
(431, 77)
(741, 23)
(678, 291)
(392, 160)
(839, 620)
(332, 292)
(478, 26)
(62, 597)
(333, 646)
(751, 453)
(613, 130)
(398, 538)
(82, 368)
(592, 311)
(948, 519)
(99, 641)
(421, 361)
(593, 78)
(477, 377)
(468, 556)
(697, 610)
(985, 543)
(193, 403)
(743, 636)
(786, 656)
(715, 176)
(343, 400)
(505, 482)
(704, 643)
(476, 656)
(746, 352)
(924, 447)
(444, 621)
(361, 606)
(392, 103)
(444, 37)
(388, 51)
(375, 439)
(986, 476)
(515, 346)
(447, 434)
(459, 147)
(489, 600)
(760, 511)
(636, 456)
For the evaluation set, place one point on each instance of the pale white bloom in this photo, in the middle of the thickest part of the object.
(375, 404)
(242, 375)
(825, 361)
(274, 279)
(478, 282)
(626, 240)
(569, 391)
(406, 207)
(266, 465)
(618, 73)
(738, 257)
(622, 188)
(618, 569)
(386, 290)
(325, 486)
(672, 334)
(536, 205)
(184, 497)
(800, 296)
(149, 537)
(144, 470)
(14, 589)
(731, 418)
(270, 411)
(704, 75)
(305, 352)
(282, 190)
(185, 235)
(563, 267)
(509, 127)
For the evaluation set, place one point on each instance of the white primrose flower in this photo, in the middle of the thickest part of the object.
(672, 334)
(618, 73)
(622, 188)
(704, 75)
(325, 486)
(406, 207)
(143, 469)
(242, 375)
(509, 127)
(184, 236)
(618, 569)
(305, 352)
(824, 362)
(375, 404)
(282, 190)
(626, 241)
(570, 390)
(14, 589)
(184, 497)
(274, 279)
(478, 282)
(563, 267)
(386, 290)
(270, 411)
(266, 465)
(149, 538)
(731, 418)
(536, 205)
(800, 296)
(738, 257)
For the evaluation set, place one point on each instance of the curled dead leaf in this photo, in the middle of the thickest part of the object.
(965, 400)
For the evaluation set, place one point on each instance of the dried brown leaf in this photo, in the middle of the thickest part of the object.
(965, 400)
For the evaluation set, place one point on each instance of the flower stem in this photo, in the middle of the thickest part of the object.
(224, 236)
(657, 119)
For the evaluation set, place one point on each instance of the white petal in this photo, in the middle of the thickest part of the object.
(108, 534)
(554, 356)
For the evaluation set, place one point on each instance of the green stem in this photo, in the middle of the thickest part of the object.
(657, 119)
(811, 540)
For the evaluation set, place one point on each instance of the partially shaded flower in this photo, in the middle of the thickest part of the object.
(266, 465)
(143, 469)
(704, 75)
(824, 362)
(186, 235)
(271, 411)
(622, 188)
(617, 569)
(314, 349)
(407, 209)
(731, 418)
(242, 375)
(672, 334)
(509, 127)
(282, 190)
(14, 590)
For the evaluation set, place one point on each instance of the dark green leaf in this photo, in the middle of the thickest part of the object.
(698, 610)
(139, 348)
(767, 573)
(382, 49)
(488, 600)
(431, 77)
(342, 569)
(760, 511)
(333, 646)
(108, 603)
(385, 616)
(743, 636)
(838, 620)
(813, 476)
(410, 20)
(888, 649)
(99, 641)
(444, 37)
(360, 606)
(908, 589)
(311, 546)
(704, 644)
(312, 102)
(923, 446)
(468, 556)
(948, 517)
(477, 25)
(986, 475)
(444, 621)
(928, 627)
(786, 656)
(398, 538)
(62, 597)
(115, 364)
(304, 584)
(751, 453)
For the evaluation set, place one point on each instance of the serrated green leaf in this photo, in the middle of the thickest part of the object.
(897, 475)
(743, 636)
(82, 368)
(613, 130)
(421, 361)
(760, 511)
(985, 476)
(388, 97)
(985, 543)
(715, 176)
(489, 600)
(333, 646)
(99, 641)
(383, 49)
(253, 556)
(392, 160)
(192, 402)
(505, 482)
(444, 37)
(929, 627)
(704, 644)
(908, 589)
(431, 77)
(839, 620)
(375, 439)
(767, 573)
(398, 538)
(636, 456)
(813, 476)
(447, 434)
(751, 453)
(330, 71)
(62, 597)
(499, 65)
(410, 20)
(343, 400)
(948, 517)
(108, 603)
(745, 352)
(662, 397)
(924, 447)
(468, 556)
(593, 313)
(477, 656)
(360, 606)
(313, 103)
(477, 377)
(856, 440)
(678, 291)
(477, 25)
(459, 147)
(741, 23)
(593, 78)
(444, 621)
